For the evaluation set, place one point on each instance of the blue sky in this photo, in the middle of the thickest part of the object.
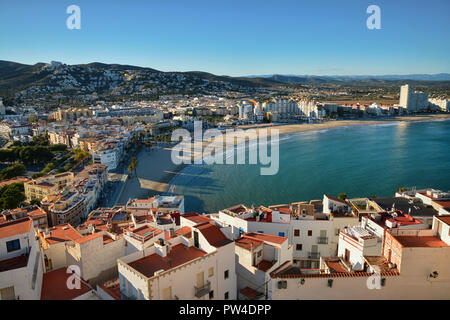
(244, 37)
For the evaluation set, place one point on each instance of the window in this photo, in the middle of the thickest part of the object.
(298, 247)
(309, 233)
(226, 295)
(211, 272)
(225, 275)
(13, 245)
(260, 231)
(259, 254)
(281, 234)
(336, 232)
(296, 233)
(211, 294)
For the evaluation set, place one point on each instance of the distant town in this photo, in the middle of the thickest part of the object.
(70, 215)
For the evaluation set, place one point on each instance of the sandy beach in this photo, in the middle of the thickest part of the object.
(155, 168)
(154, 171)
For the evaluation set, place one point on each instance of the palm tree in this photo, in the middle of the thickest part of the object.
(133, 165)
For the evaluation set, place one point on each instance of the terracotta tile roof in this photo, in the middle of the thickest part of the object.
(37, 213)
(88, 238)
(443, 203)
(266, 237)
(264, 265)
(250, 293)
(185, 231)
(178, 255)
(196, 217)
(60, 233)
(444, 218)
(54, 286)
(295, 273)
(335, 266)
(15, 227)
(213, 234)
(246, 242)
(420, 241)
(112, 287)
(284, 210)
(336, 199)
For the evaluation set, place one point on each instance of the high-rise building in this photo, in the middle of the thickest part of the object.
(412, 101)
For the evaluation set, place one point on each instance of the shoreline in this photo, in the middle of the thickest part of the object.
(158, 180)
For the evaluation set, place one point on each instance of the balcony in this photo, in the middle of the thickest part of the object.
(313, 255)
(322, 240)
(201, 291)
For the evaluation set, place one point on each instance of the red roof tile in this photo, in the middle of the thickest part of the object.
(61, 233)
(420, 241)
(250, 293)
(15, 227)
(54, 286)
(178, 255)
(266, 237)
(246, 242)
(88, 238)
(213, 234)
(196, 217)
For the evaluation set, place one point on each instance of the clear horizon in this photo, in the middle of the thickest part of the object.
(234, 38)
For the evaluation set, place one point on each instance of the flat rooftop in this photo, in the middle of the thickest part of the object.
(420, 242)
(403, 204)
(266, 237)
(54, 286)
(196, 217)
(15, 227)
(178, 255)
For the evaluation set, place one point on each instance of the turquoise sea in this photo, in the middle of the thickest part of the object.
(361, 160)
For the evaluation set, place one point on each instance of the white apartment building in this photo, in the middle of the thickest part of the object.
(311, 232)
(440, 104)
(195, 265)
(310, 109)
(109, 157)
(412, 101)
(163, 203)
(258, 255)
(21, 266)
(414, 265)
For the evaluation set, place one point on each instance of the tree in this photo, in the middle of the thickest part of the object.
(133, 165)
(35, 202)
(13, 171)
(32, 118)
(342, 196)
(11, 195)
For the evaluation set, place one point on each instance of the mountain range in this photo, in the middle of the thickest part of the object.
(45, 80)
